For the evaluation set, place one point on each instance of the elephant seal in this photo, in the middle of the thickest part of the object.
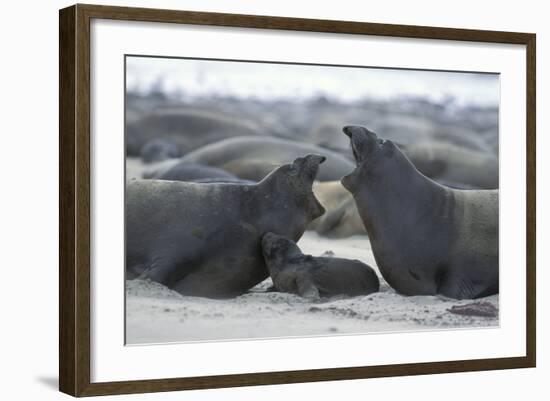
(250, 169)
(341, 222)
(426, 238)
(190, 128)
(341, 218)
(204, 239)
(159, 149)
(315, 277)
(447, 163)
(195, 172)
(224, 180)
(251, 157)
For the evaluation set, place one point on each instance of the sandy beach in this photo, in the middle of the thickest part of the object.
(155, 314)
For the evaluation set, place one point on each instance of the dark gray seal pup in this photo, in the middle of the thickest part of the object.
(315, 277)
(205, 239)
(159, 149)
(426, 238)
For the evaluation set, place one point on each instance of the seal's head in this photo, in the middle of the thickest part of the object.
(297, 179)
(306, 168)
(377, 160)
(278, 249)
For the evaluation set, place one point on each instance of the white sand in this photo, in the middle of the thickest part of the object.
(155, 314)
(134, 168)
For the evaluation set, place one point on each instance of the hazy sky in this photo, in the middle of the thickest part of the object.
(283, 81)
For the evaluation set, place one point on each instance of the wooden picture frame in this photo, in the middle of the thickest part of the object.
(74, 203)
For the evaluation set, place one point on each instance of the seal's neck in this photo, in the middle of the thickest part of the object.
(273, 207)
(412, 201)
(291, 194)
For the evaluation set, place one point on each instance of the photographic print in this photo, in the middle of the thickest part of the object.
(356, 194)
(272, 200)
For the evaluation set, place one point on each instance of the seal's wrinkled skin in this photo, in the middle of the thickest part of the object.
(315, 277)
(426, 238)
(204, 239)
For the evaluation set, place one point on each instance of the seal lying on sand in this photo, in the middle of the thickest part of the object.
(252, 157)
(204, 239)
(189, 128)
(451, 164)
(194, 172)
(341, 222)
(426, 238)
(341, 218)
(315, 277)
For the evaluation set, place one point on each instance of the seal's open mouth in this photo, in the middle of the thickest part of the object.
(363, 142)
(313, 163)
(307, 168)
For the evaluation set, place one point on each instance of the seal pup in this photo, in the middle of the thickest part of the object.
(427, 239)
(315, 277)
(204, 239)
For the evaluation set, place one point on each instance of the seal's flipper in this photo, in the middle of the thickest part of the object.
(307, 289)
(133, 272)
(456, 286)
(163, 270)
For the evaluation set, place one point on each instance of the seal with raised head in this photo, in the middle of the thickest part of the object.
(204, 239)
(426, 238)
(315, 277)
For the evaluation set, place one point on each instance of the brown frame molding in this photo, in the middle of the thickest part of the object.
(74, 198)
